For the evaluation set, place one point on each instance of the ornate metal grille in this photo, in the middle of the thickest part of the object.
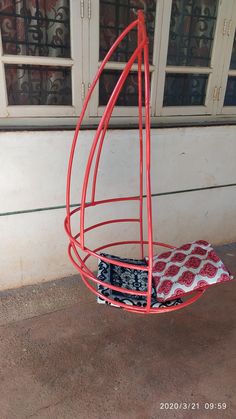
(38, 85)
(129, 93)
(114, 17)
(191, 35)
(35, 27)
(185, 89)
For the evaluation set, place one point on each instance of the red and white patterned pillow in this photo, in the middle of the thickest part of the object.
(190, 267)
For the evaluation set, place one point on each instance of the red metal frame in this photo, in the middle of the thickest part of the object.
(77, 241)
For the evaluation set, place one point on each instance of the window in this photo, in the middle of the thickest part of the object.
(40, 65)
(50, 52)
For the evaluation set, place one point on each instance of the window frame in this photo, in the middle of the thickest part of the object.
(84, 63)
(164, 69)
(94, 109)
(73, 63)
(215, 89)
(226, 71)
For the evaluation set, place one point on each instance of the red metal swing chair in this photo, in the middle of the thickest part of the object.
(77, 241)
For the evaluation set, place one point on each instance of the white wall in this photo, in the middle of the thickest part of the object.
(33, 165)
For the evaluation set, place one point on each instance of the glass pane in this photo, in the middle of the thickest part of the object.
(38, 85)
(233, 56)
(230, 95)
(185, 89)
(115, 15)
(192, 29)
(35, 27)
(129, 93)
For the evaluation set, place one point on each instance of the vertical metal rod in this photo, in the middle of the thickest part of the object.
(148, 160)
(95, 174)
(140, 141)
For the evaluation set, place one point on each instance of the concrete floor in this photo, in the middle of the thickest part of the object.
(64, 356)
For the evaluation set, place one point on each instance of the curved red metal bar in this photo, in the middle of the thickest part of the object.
(77, 241)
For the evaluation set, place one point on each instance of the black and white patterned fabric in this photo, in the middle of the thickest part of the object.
(131, 279)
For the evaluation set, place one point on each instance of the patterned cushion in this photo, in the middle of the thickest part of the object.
(190, 267)
(131, 279)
